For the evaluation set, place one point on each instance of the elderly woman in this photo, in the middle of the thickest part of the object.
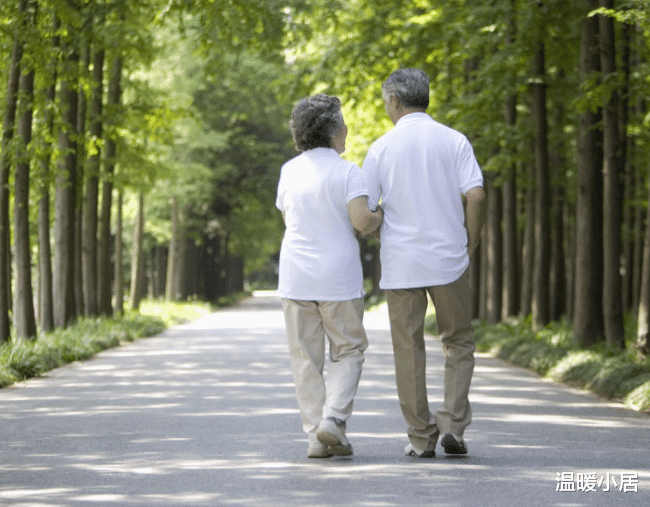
(323, 199)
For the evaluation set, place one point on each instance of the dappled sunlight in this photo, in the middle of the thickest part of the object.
(208, 416)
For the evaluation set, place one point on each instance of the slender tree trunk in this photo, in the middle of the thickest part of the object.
(588, 309)
(528, 246)
(137, 257)
(24, 317)
(91, 197)
(511, 267)
(46, 304)
(172, 257)
(558, 255)
(5, 168)
(629, 173)
(81, 169)
(494, 252)
(639, 218)
(64, 225)
(104, 257)
(541, 288)
(558, 289)
(613, 154)
(119, 262)
(643, 328)
(511, 263)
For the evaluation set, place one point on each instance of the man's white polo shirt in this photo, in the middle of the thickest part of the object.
(419, 170)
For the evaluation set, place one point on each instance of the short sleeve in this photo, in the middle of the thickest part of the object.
(279, 200)
(470, 175)
(370, 172)
(356, 185)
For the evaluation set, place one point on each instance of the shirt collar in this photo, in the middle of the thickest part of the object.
(413, 117)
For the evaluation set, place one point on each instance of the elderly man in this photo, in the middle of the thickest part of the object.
(420, 170)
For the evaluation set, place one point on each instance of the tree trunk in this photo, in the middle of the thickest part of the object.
(558, 288)
(104, 244)
(639, 218)
(91, 197)
(541, 286)
(66, 184)
(173, 256)
(5, 168)
(81, 169)
(613, 155)
(643, 328)
(528, 247)
(494, 252)
(137, 258)
(629, 174)
(119, 249)
(588, 292)
(24, 318)
(46, 310)
(511, 279)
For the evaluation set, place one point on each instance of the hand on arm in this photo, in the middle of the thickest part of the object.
(363, 219)
(475, 214)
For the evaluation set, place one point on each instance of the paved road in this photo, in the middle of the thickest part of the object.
(205, 415)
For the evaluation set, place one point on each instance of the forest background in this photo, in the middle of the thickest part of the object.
(142, 142)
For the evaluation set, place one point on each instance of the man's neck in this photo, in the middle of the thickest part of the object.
(404, 111)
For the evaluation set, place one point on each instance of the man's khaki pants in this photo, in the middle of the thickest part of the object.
(407, 309)
(307, 325)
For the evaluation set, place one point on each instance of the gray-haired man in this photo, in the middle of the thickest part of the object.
(420, 170)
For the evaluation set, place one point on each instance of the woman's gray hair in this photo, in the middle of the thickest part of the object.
(314, 120)
(411, 86)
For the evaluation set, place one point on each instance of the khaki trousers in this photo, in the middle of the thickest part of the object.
(407, 309)
(308, 323)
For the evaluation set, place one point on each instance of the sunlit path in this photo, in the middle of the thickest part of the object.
(205, 415)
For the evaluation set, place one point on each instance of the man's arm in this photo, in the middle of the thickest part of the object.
(475, 215)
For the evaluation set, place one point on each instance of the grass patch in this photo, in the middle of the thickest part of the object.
(552, 352)
(20, 360)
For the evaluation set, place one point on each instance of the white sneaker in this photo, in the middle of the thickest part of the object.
(318, 450)
(409, 450)
(332, 433)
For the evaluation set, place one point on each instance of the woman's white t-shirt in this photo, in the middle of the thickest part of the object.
(319, 258)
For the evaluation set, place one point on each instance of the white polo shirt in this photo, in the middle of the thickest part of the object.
(419, 170)
(319, 258)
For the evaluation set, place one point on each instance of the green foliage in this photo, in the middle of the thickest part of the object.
(552, 352)
(25, 359)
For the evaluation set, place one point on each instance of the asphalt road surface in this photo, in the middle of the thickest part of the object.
(205, 415)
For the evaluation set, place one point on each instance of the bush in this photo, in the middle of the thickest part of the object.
(87, 336)
(552, 352)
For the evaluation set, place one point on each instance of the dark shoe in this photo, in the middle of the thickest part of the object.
(409, 450)
(453, 444)
(331, 432)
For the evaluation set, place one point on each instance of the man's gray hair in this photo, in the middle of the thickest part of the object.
(411, 86)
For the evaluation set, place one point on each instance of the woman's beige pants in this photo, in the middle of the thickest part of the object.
(308, 323)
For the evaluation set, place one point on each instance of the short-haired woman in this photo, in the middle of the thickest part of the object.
(323, 199)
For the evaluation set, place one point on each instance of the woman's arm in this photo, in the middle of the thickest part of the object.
(363, 219)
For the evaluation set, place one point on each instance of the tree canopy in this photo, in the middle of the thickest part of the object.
(163, 125)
